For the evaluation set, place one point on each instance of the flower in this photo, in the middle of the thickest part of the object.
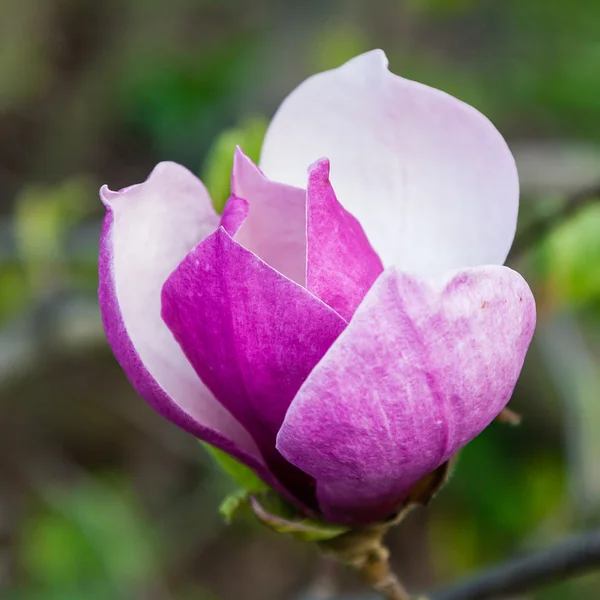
(341, 334)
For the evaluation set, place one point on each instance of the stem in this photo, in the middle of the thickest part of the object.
(509, 417)
(364, 551)
(376, 572)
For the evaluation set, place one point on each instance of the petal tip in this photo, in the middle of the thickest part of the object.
(239, 154)
(319, 170)
(106, 195)
(373, 59)
(244, 171)
(163, 170)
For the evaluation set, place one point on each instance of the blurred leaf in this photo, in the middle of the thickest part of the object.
(216, 173)
(335, 44)
(572, 256)
(193, 593)
(442, 6)
(92, 532)
(56, 552)
(501, 490)
(572, 365)
(459, 531)
(584, 586)
(552, 64)
(241, 474)
(14, 291)
(91, 591)
(43, 215)
(182, 100)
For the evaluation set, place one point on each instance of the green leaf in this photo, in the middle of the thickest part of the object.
(216, 173)
(241, 474)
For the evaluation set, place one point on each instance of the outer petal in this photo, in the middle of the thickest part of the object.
(148, 229)
(429, 178)
(341, 265)
(417, 374)
(275, 228)
(252, 335)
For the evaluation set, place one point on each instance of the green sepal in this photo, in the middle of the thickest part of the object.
(271, 510)
(241, 474)
(232, 505)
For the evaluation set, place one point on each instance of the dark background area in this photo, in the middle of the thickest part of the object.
(101, 499)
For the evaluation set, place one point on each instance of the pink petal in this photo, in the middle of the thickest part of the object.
(275, 228)
(341, 264)
(421, 370)
(429, 178)
(234, 214)
(252, 335)
(148, 229)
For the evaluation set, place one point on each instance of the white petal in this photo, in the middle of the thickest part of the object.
(431, 180)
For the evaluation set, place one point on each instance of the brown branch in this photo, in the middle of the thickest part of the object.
(568, 558)
(574, 556)
(536, 231)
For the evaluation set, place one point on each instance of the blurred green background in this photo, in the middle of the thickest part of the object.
(101, 499)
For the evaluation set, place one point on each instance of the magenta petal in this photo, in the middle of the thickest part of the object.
(341, 265)
(147, 230)
(252, 335)
(420, 371)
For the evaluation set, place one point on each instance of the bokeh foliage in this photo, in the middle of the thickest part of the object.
(99, 92)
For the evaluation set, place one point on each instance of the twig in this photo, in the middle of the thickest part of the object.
(509, 417)
(573, 556)
(535, 231)
(568, 558)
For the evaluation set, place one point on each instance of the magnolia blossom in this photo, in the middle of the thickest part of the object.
(346, 325)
